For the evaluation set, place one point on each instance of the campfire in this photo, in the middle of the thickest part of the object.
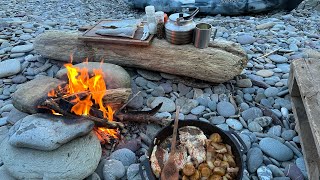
(85, 96)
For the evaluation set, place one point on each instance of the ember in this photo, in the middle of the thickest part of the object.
(79, 83)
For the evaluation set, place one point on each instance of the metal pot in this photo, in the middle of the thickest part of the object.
(179, 28)
(229, 137)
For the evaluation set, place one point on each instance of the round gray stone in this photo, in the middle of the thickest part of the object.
(226, 109)
(276, 172)
(244, 83)
(264, 73)
(22, 48)
(254, 159)
(277, 58)
(217, 120)
(198, 110)
(251, 113)
(263, 121)
(167, 106)
(133, 172)
(113, 169)
(74, 160)
(271, 92)
(234, 124)
(276, 149)
(9, 67)
(246, 39)
(264, 173)
(288, 135)
(275, 130)
(47, 132)
(126, 156)
(150, 75)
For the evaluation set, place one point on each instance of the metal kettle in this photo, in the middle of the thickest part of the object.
(179, 29)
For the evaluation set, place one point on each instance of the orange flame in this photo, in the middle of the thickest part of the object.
(79, 82)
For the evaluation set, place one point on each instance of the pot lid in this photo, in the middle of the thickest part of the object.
(175, 16)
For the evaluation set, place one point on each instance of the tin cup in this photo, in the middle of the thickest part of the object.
(202, 35)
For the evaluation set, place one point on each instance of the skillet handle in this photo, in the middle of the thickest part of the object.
(145, 165)
(240, 144)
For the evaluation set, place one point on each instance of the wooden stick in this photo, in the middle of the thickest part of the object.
(268, 54)
(50, 103)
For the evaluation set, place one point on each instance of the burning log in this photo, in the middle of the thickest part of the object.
(220, 62)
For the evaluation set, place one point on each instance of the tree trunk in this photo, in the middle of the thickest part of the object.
(220, 62)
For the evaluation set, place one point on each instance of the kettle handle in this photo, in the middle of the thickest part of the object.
(190, 17)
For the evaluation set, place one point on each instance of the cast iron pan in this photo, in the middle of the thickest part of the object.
(229, 137)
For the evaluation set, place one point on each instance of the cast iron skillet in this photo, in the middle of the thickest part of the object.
(229, 137)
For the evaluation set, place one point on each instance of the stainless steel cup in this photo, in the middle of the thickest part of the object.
(202, 34)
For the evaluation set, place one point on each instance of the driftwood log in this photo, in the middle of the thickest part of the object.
(220, 62)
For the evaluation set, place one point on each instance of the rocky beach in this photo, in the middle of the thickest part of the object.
(272, 41)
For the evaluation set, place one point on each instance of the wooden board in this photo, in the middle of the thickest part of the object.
(304, 87)
(90, 35)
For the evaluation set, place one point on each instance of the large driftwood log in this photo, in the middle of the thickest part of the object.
(220, 62)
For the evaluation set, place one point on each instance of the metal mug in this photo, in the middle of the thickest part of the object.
(202, 35)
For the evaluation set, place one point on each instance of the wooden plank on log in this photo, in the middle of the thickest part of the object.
(220, 62)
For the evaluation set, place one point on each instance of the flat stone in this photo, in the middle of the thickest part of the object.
(276, 149)
(150, 75)
(188, 105)
(254, 127)
(19, 79)
(275, 130)
(251, 113)
(271, 92)
(212, 105)
(4, 174)
(263, 121)
(244, 83)
(254, 159)
(93, 176)
(133, 172)
(246, 139)
(9, 67)
(302, 166)
(225, 109)
(113, 169)
(264, 73)
(27, 97)
(114, 76)
(183, 89)
(267, 25)
(217, 120)
(3, 121)
(126, 156)
(66, 162)
(140, 81)
(22, 48)
(198, 110)
(277, 58)
(276, 172)
(47, 132)
(158, 91)
(288, 135)
(264, 173)
(234, 124)
(167, 106)
(292, 171)
(246, 39)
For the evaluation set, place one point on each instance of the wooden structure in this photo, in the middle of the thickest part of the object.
(90, 35)
(304, 87)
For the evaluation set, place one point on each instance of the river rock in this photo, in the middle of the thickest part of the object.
(263, 121)
(15, 115)
(126, 156)
(275, 130)
(251, 113)
(234, 124)
(264, 173)
(288, 135)
(225, 109)
(9, 67)
(302, 166)
(246, 39)
(244, 83)
(276, 171)
(47, 132)
(254, 127)
(114, 76)
(167, 106)
(265, 73)
(113, 169)
(292, 171)
(22, 48)
(276, 149)
(150, 75)
(277, 58)
(133, 172)
(267, 25)
(74, 160)
(4, 174)
(254, 159)
(93, 176)
(271, 92)
(27, 97)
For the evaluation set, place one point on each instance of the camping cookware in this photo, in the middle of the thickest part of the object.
(229, 137)
(179, 29)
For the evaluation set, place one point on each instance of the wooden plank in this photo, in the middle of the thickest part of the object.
(305, 76)
(310, 154)
(90, 35)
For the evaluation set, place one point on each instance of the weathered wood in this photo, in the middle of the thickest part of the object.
(220, 62)
(304, 88)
